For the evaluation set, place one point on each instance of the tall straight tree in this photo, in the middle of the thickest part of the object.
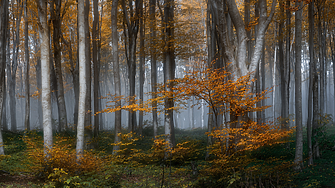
(311, 81)
(96, 65)
(130, 25)
(115, 40)
(26, 81)
(321, 57)
(298, 96)
(152, 13)
(11, 69)
(169, 69)
(45, 69)
(142, 64)
(3, 41)
(57, 22)
(284, 71)
(88, 107)
(82, 80)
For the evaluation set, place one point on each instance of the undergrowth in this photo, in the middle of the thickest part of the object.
(146, 162)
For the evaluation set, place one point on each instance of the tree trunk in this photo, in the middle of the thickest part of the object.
(131, 34)
(169, 69)
(96, 66)
(142, 65)
(27, 91)
(298, 160)
(13, 67)
(321, 60)
(311, 81)
(56, 14)
(3, 42)
(284, 71)
(152, 13)
(45, 69)
(115, 38)
(82, 80)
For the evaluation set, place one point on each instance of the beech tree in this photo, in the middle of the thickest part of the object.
(82, 80)
(116, 72)
(169, 72)
(3, 41)
(298, 104)
(57, 32)
(45, 70)
(131, 28)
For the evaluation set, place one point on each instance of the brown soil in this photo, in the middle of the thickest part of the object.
(21, 180)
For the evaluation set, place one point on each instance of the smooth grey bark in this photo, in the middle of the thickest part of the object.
(57, 22)
(45, 70)
(169, 69)
(316, 109)
(12, 70)
(88, 104)
(239, 63)
(209, 60)
(311, 80)
(284, 73)
(263, 80)
(142, 65)
(247, 22)
(38, 82)
(321, 60)
(131, 22)
(96, 66)
(332, 47)
(82, 80)
(116, 70)
(298, 159)
(3, 43)
(74, 69)
(26, 81)
(152, 13)
(258, 91)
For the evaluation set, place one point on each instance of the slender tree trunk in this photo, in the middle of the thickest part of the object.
(283, 73)
(132, 23)
(152, 13)
(298, 160)
(311, 81)
(170, 69)
(263, 80)
(27, 85)
(12, 82)
(142, 65)
(315, 108)
(321, 60)
(88, 107)
(45, 69)
(96, 66)
(82, 80)
(38, 80)
(3, 44)
(332, 45)
(116, 68)
(56, 14)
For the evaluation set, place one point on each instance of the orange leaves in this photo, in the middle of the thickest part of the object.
(63, 156)
(216, 87)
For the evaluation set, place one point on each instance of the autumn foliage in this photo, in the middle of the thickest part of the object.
(62, 156)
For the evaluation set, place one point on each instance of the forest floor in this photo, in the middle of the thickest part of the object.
(16, 168)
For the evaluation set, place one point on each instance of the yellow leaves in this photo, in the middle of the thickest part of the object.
(63, 156)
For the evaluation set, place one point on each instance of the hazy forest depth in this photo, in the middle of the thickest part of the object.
(167, 93)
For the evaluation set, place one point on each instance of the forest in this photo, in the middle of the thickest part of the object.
(167, 93)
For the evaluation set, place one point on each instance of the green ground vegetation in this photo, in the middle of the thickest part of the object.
(147, 162)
